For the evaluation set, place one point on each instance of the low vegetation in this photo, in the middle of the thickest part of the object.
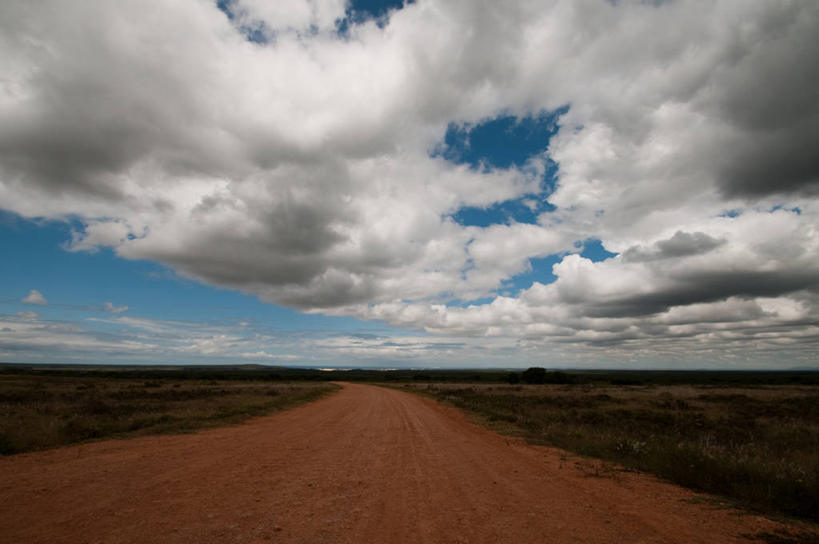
(755, 444)
(750, 436)
(46, 411)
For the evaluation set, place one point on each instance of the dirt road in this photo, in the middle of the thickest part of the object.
(364, 465)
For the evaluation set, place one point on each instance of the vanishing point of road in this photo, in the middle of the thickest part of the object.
(364, 465)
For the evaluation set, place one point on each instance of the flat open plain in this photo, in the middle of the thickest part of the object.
(366, 464)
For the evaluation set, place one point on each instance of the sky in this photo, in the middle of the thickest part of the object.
(437, 183)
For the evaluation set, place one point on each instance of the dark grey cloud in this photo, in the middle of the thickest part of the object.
(703, 287)
(775, 162)
(767, 88)
(682, 244)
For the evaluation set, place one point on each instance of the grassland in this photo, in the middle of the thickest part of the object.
(46, 411)
(757, 445)
(752, 437)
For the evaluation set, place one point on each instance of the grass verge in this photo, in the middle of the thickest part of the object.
(758, 446)
(41, 412)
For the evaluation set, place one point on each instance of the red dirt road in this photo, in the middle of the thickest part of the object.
(366, 464)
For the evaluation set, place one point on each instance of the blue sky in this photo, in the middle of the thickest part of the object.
(77, 284)
(326, 183)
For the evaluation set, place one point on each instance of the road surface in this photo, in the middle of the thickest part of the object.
(364, 465)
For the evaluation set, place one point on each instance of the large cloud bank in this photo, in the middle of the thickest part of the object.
(303, 169)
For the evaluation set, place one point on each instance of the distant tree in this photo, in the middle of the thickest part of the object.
(513, 378)
(559, 377)
(534, 374)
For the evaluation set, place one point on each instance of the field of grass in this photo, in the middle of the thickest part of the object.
(42, 411)
(756, 445)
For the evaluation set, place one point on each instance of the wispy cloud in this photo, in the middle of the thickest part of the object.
(109, 307)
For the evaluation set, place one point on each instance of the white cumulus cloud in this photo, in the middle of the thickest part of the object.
(35, 297)
(303, 168)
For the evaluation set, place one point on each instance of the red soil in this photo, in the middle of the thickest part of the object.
(366, 464)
